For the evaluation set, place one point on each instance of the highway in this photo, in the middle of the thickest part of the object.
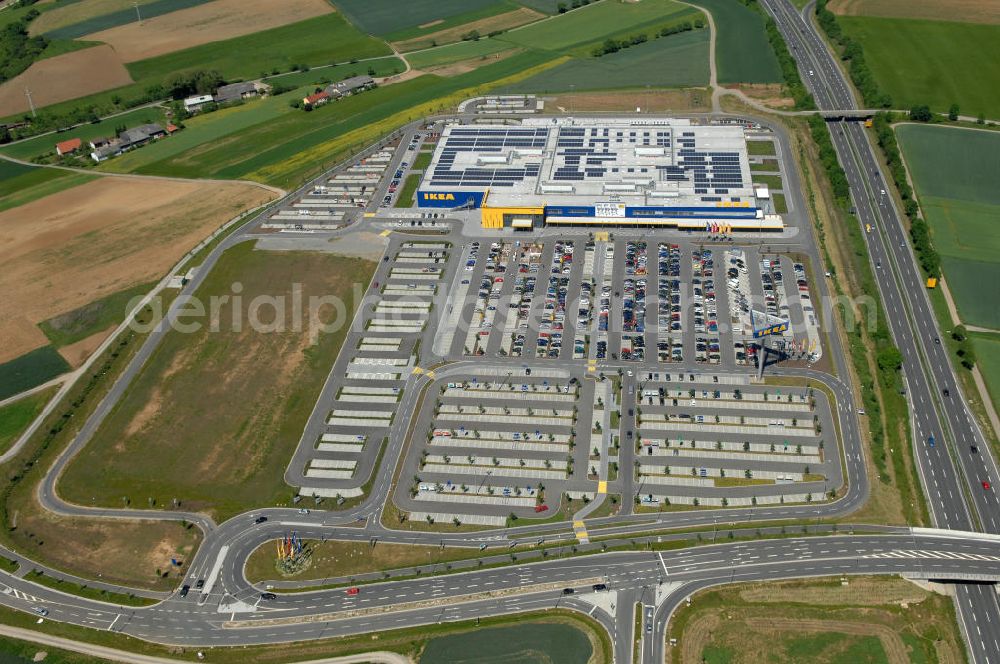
(952, 473)
(231, 612)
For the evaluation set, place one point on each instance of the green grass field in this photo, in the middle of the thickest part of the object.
(780, 206)
(405, 197)
(15, 417)
(772, 181)
(31, 369)
(264, 146)
(591, 23)
(987, 348)
(208, 131)
(761, 148)
(744, 54)
(422, 160)
(529, 643)
(382, 17)
(479, 13)
(321, 76)
(37, 183)
(315, 41)
(92, 318)
(443, 55)
(932, 62)
(547, 6)
(679, 60)
(955, 172)
(162, 440)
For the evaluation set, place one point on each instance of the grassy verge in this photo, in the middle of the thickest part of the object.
(405, 197)
(333, 558)
(875, 359)
(857, 619)
(89, 319)
(133, 553)
(15, 417)
(83, 590)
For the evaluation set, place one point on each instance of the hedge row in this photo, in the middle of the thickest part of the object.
(929, 259)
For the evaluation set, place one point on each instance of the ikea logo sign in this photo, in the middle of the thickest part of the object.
(771, 329)
(439, 197)
(450, 200)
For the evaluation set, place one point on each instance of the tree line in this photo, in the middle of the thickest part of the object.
(615, 45)
(853, 54)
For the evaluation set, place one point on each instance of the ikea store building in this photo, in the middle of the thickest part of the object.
(597, 171)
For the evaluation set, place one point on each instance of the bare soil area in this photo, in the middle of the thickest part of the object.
(75, 12)
(66, 250)
(113, 550)
(465, 66)
(212, 21)
(76, 354)
(966, 11)
(63, 77)
(484, 26)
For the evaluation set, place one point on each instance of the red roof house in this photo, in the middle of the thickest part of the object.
(66, 147)
(316, 99)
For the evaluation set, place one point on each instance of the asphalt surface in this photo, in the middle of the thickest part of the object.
(952, 473)
(200, 619)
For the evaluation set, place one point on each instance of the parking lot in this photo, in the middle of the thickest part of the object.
(360, 400)
(730, 443)
(492, 444)
(609, 300)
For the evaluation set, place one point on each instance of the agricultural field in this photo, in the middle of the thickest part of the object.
(954, 172)
(987, 349)
(382, 17)
(593, 23)
(743, 53)
(680, 60)
(969, 11)
(219, 20)
(15, 417)
(928, 62)
(323, 75)
(72, 20)
(59, 255)
(162, 440)
(23, 184)
(444, 55)
(64, 77)
(30, 369)
(870, 619)
(484, 26)
(315, 41)
(547, 642)
(284, 149)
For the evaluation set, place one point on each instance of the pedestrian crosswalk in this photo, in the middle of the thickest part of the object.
(940, 555)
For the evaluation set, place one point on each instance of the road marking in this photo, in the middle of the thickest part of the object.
(602, 487)
(216, 568)
(114, 621)
(417, 371)
(662, 562)
(385, 233)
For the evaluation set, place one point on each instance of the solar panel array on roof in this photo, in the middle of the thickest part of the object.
(481, 139)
